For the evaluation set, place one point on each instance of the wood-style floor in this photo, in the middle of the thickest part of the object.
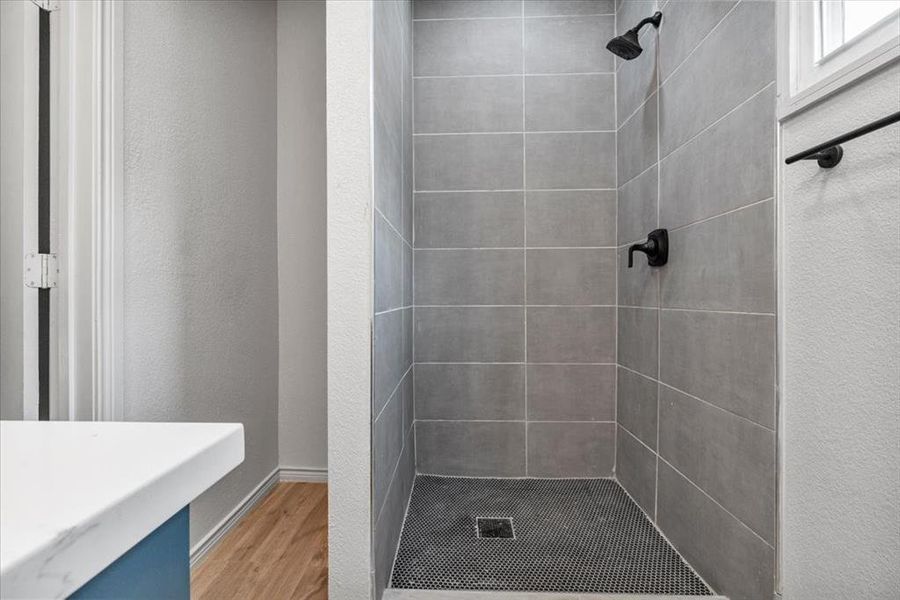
(278, 550)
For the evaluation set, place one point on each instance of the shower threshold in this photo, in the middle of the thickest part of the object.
(571, 536)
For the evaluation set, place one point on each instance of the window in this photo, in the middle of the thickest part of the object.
(842, 22)
(827, 44)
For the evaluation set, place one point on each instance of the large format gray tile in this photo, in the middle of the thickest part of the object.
(730, 458)
(570, 102)
(466, 104)
(407, 399)
(630, 12)
(638, 339)
(637, 405)
(468, 47)
(468, 162)
(389, 250)
(571, 218)
(469, 219)
(465, 9)
(571, 449)
(470, 392)
(548, 8)
(637, 79)
(388, 177)
(446, 277)
(638, 207)
(685, 24)
(471, 448)
(387, 442)
(639, 285)
(726, 359)
(388, 356)
(636, 470)
(389, 523)
(733, 560)
(568, 45)
(407, 275)
(570, 160)
(571, 392)
(571, 276)
(469, 334)
(387, 50)
(727, 166)
(407, 341)
(571, 334)
(637, 142)
(726, 263)
(744, 43)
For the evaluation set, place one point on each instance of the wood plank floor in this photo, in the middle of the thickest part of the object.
(278, 550)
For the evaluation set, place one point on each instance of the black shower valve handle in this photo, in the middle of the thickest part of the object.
(656, 248)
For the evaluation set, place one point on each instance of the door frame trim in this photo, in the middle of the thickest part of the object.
(90, 158)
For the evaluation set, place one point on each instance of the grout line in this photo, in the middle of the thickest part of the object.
(391, 395)
(523, 131)
(412, 192)
(716, 502)
(658, 278)
(509, 18)
(717, 121)
(638, 109)
(472, 76)
(448, 248)
(525, 237)
(704, 219)
(616, 311)
(513, 306)
(520, 363)
(627, 181)
(391, 225)
(524, 420)
(692, 396)
(661, 533)
(515, 190)
(391, 310)
(722, 214)
(696, 46)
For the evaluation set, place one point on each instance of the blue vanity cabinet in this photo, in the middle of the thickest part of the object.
(157, 568)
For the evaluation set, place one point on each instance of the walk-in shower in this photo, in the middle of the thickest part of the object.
(547, 419)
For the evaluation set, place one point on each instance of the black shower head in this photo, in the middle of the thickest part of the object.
(626, 45)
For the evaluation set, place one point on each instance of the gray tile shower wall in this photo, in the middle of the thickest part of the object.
(515, 238)
(393, 439)
(696, 338)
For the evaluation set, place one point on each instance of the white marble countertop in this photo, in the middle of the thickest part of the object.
(74, 496)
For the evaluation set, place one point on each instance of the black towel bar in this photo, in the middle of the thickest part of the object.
(828, 154)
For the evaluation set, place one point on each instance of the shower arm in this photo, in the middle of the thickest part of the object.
(654, 20)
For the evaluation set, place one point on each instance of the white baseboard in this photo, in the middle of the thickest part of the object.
(212, 538)
(209, 541)
(312, 475)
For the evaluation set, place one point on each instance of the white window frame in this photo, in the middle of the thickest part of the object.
(803, 79)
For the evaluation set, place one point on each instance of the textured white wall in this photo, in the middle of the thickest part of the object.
(12, 185)
(200, 231)
(841, 344)
(302, 423)
(348, 25)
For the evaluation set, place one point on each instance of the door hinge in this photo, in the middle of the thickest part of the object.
(41, 270)
(48, 5)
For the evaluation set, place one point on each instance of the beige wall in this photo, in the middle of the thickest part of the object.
(302, 439)
(200, 290)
